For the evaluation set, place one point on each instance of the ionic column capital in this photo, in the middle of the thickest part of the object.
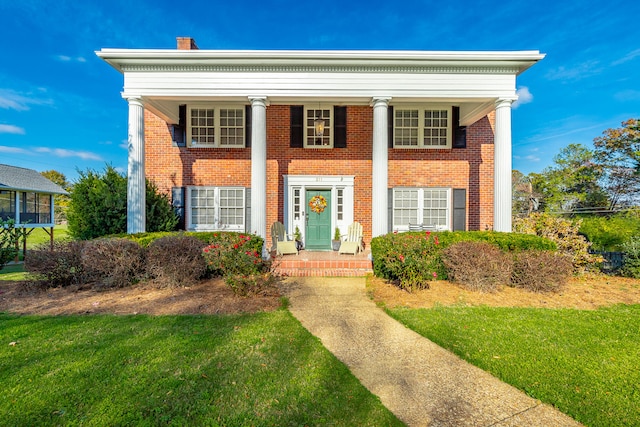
(380, 101)
(259, 101)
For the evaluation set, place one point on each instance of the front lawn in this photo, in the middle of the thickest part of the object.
(257, 369)
(583, 362)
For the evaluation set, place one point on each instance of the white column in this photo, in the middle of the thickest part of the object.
(502, 167)
(136, 190)
(380, 167)
(259, 168)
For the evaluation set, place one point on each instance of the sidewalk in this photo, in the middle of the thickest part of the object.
(421, 383)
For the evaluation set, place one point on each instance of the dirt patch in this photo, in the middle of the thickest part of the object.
(585, 292)
(205, 297)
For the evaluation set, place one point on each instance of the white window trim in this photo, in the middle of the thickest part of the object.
(421, 109)
(420, 208)
(216, 124)
(331, 126)
(216, 226)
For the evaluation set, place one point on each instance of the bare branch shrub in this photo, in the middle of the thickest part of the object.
(176, 260)
(57, 266)
(541, 271)
(478, 266)
(112, 263)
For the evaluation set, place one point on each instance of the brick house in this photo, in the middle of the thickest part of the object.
(242, 139)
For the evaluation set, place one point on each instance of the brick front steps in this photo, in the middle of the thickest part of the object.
(311, 263)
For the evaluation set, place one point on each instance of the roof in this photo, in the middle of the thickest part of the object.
(22, 179)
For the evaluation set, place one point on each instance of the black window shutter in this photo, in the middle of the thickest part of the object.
(339, 127)
(459, 132)
(390, 121)
(177, 201)
(459, 209)
(247, 126)
(297, 126)
(180, 130)
(389, 209)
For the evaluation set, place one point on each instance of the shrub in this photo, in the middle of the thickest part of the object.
(541, 271)
(98, 206)
(609, 233)
(631, 266)
(253, 284)
(410, 260)
(176, 260)
(9, 240)
(564, 233)
(238, 257)
(479, 266)
(57, 266)
(113, 262)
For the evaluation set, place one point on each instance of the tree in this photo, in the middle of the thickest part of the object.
(617, 152)
(61, 201)
(572, 183)
(98, 206)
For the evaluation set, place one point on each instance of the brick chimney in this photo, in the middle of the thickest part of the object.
(186, 43)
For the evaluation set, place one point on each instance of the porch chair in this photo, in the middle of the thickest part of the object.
(353, 240)
(280, 240)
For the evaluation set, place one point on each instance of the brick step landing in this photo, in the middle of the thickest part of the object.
(308, 263)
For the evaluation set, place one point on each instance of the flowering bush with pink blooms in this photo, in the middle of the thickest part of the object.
(238, 257)
(410, 260)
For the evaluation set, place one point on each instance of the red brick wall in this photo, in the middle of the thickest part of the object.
(470, 168)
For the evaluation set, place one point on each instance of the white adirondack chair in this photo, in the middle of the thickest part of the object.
(353, 240)
(280, 240)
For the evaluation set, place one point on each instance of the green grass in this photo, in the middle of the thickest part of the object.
(261, 370)
(39, 236)
(585, 363)
(13, 272)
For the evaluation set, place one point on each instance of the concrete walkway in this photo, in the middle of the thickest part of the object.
(421, 383)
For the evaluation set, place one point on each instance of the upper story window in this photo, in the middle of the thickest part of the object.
(422, 127)
(318, 127)
(216, 126)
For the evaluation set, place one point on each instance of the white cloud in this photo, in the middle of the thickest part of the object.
(11, 100)
(628, 57)
(524, 97)
(12, 129)
(61, 152)
(13, 150)
(65, 58)
(580, 71)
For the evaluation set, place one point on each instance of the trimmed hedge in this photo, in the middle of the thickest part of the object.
(390, 250)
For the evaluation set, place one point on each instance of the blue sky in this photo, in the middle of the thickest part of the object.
(60, 105)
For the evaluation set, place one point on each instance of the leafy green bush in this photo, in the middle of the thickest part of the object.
(57, 266)
(176, 260)
(238, 257)
(541, 271)
(9, 240)
(410, 260)
(386, 249)
(145, 239)
(98, 206)
(564, 233)
(631, 266)
(609, 233)
(112, 262)
(479, 266)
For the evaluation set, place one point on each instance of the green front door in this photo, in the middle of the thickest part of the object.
(318, 232)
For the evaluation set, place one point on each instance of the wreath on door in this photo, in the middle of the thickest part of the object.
(317, 204)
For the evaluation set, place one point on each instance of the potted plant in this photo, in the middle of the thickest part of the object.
(335, 243)
(297, 235)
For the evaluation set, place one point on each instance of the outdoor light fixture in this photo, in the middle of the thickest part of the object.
(318, 123)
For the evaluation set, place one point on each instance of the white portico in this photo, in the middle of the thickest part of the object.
(477, 83)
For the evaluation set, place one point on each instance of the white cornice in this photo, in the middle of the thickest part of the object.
(367, 61)
(321, 68)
